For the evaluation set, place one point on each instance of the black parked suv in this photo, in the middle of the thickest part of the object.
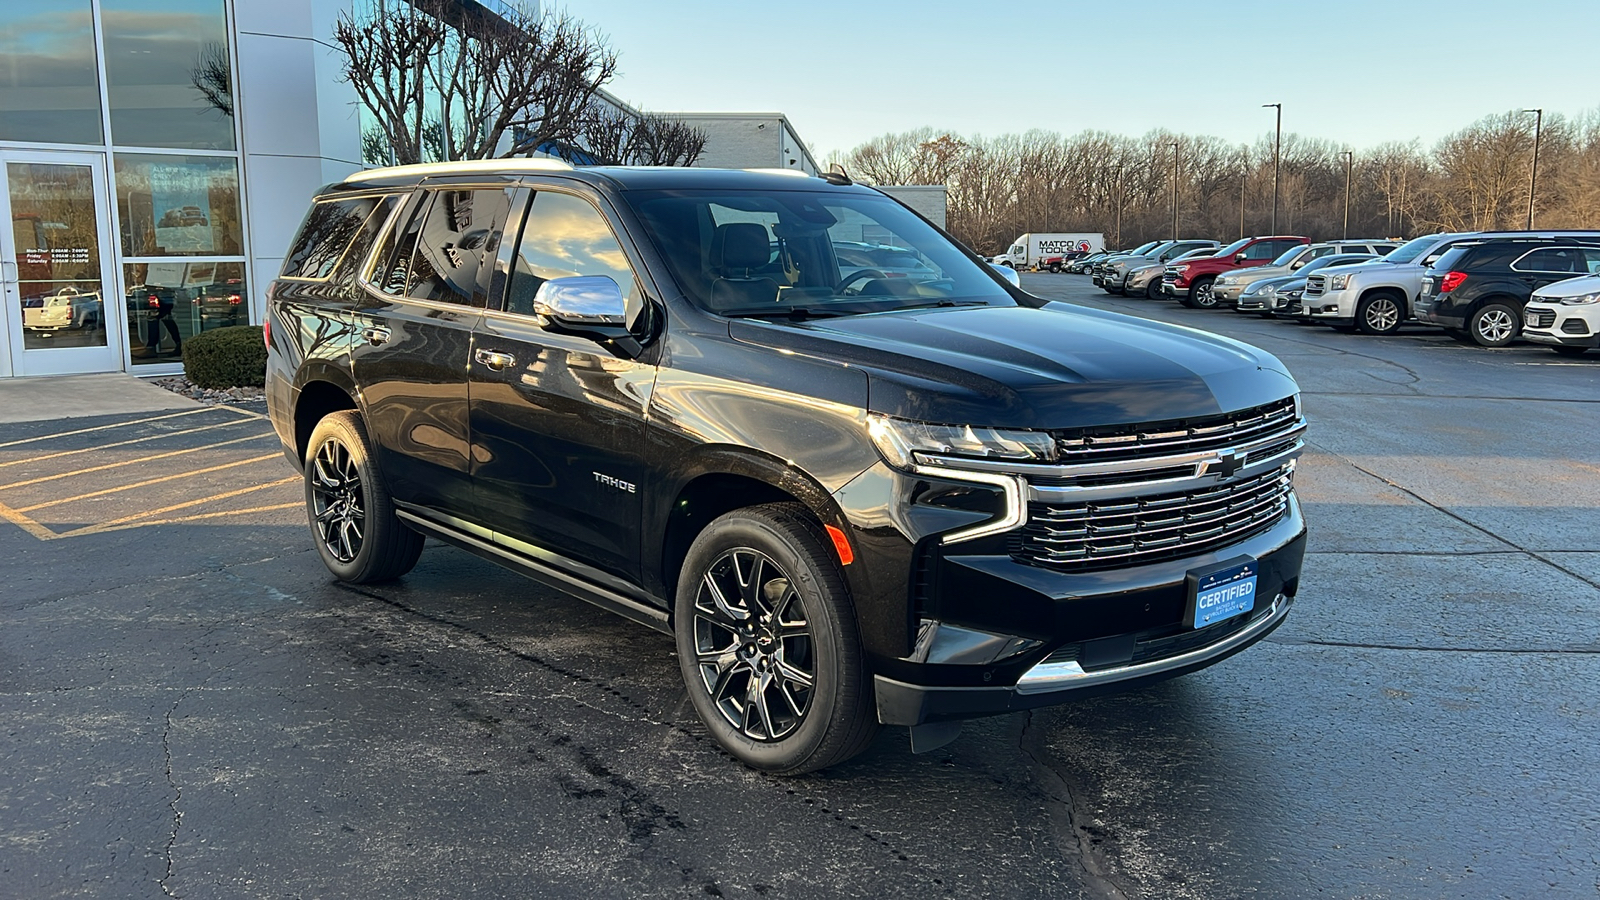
(1477, 290)
(854, 497)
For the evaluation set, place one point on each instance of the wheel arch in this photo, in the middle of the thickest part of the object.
(318, 396)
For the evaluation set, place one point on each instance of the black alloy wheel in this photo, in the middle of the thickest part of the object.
(1379, 314)
(1494, 325)
(351, 514)
(767, 642)
(1152, 291)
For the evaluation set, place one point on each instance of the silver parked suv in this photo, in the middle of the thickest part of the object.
(1115, 278)
(1230, 285)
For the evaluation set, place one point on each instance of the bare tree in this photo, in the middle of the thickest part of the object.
(447, 82)
(212, 76)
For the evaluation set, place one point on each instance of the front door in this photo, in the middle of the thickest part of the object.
(55, 270)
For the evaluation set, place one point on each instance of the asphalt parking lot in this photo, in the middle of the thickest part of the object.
(194, 709)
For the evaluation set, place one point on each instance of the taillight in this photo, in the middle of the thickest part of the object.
(235, 299)
(1451, 281)
(266, 332)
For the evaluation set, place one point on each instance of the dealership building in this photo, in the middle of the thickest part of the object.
(159, 154)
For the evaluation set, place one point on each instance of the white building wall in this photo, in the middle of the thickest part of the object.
(931, 200)
(749, 141)
(298, 122)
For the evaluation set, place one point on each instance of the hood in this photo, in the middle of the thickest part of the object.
(1375, 265)
(1570, 287)
(1057, 367)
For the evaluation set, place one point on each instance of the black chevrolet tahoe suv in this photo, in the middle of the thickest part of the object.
(855, 496)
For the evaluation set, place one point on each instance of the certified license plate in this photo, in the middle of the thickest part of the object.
(1221, 594)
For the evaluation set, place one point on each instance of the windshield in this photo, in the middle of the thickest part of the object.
(808, 253)
(1337, 260)
(1234, 247)
(1142, 249)
(1287, 257)
(1411, 249)
(1195, 253)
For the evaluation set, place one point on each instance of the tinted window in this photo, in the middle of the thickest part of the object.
(1263, 250)
(328, 231)
(1566, 260)
(566, 236)
(450, 244)
(1448, 259)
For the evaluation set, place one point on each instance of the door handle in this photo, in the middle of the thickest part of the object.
(16, 272)
(376, 335)
(494, 359)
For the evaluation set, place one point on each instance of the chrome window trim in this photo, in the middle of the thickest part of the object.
(1513, 264)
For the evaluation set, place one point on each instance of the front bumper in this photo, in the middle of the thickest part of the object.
(1085, 633)
(1562, 326)
(1333, 306)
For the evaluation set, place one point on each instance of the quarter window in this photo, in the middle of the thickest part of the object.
(328, 232)
(566, 236)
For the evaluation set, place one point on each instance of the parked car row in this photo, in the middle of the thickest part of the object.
(1486, 288)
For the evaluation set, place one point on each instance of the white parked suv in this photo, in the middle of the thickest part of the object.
(1565, 315)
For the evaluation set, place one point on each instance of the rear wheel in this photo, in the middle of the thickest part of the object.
(1494, 325)
(350, 511)
(767, 642)
(1378, 314)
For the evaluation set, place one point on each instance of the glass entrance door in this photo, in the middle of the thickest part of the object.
(55, 273)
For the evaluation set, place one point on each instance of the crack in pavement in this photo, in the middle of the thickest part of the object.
(1063, 812)
(1530, 553)
(177, 797)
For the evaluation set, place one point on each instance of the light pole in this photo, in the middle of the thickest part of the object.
(1174, 190)
(1533, 173)
(1119, 205)
(1277, 153)
(1242, 177)
(1349, 164)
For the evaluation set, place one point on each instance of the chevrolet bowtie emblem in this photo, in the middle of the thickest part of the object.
(1225, 465)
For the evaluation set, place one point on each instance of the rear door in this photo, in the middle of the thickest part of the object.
(1547, 265)
(558, 421)
(413, 339)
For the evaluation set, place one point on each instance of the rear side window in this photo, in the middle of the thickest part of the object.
(1448, 259)
(446, 249)
(1561, 260)
(328, 233)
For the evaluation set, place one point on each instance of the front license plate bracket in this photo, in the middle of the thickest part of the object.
(1221, 592)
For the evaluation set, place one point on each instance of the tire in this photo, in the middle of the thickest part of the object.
(1494, 325)
(746, 658)
(348, 507)
(1200, 296)
(1569, 351)
(1152, 291)
(1379, 314)
(1056, 268)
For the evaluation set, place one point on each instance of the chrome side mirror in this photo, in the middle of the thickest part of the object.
(1009, 274)
(581, 301)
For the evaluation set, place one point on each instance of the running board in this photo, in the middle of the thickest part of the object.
(546, 575)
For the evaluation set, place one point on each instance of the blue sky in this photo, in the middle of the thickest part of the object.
(1359, 72)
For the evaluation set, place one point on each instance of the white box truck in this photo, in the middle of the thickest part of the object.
(1050, 250)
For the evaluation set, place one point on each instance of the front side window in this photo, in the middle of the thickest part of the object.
(1262, 250)
(805, 254)
(565, 236)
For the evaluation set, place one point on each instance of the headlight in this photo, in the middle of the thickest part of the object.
(901, 440)
(1225, 280)
(1575, 301)
(1338, 282)
(1180, 269)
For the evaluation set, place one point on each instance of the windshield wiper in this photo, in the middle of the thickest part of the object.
(782, 312)
(938, 303)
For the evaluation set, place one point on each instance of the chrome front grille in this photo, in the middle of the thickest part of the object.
(1540, 318)
(1135, 530)
(1175, 436)
(1316, 285)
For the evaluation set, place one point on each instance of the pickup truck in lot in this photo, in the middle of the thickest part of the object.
(1190, 281)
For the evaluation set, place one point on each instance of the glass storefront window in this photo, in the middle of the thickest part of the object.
(170, 302)
(178, 205)
(49, 82)
(169, 78)
(57, 242)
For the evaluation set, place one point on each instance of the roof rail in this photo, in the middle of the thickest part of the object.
(464, 167)
(793, 172)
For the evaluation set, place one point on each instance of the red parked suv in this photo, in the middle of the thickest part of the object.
(1190, 281)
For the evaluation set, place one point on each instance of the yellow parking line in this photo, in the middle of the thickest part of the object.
(122, 465)
(26, 524)
(103, 526)
(140, 484)
(59, 434)
(153, 437)
(184, 519)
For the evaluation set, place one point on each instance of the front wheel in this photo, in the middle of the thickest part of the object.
(1378, 314)
(1153, 291)
(1056, 268)
(767, 642)
(351, 513)
(1494, 325)
(1200, 296)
